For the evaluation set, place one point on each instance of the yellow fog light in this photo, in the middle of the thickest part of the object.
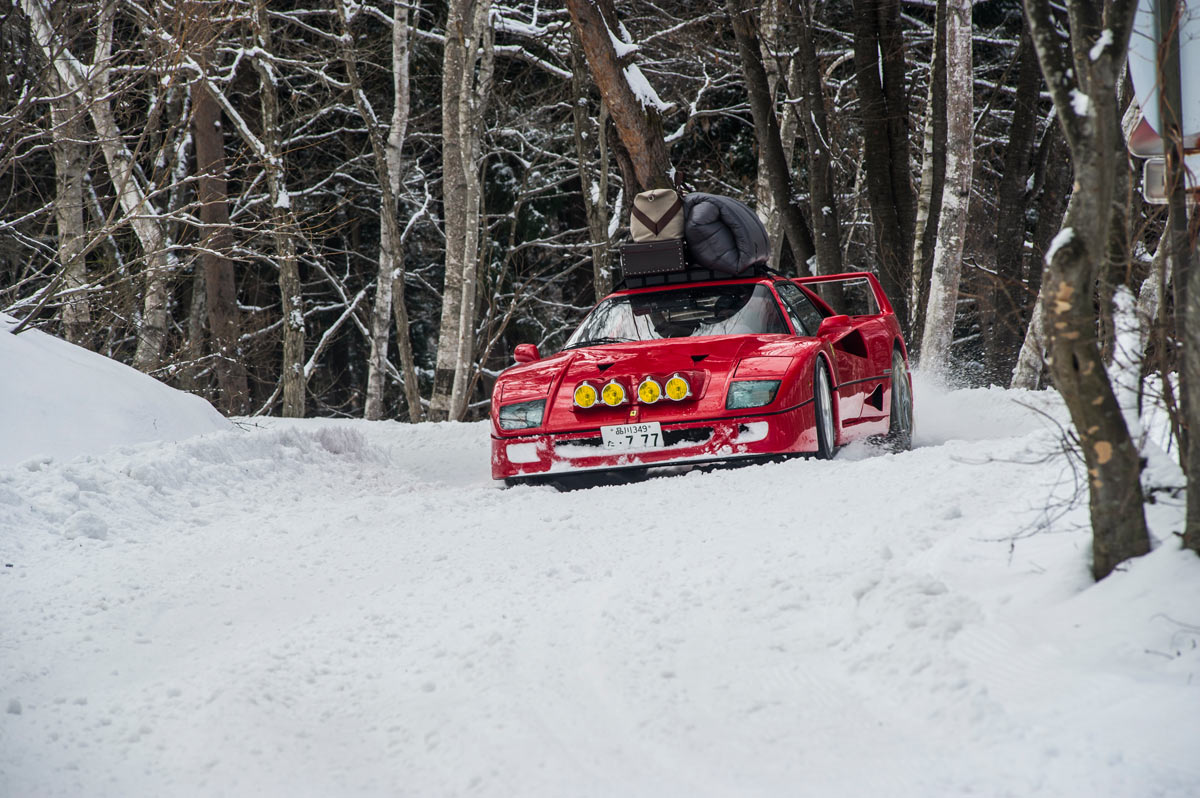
(649, 391)
(678, 388)
(613, 394)
(585, 395)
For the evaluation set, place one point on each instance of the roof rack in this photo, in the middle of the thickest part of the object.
(692, 274)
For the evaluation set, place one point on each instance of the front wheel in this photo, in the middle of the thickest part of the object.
(823, 411)
(900, 417)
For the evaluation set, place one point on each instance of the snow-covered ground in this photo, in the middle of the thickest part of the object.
(328, 608)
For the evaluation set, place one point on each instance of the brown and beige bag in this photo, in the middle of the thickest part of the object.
(656, 215)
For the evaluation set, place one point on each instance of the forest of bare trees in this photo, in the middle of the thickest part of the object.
(359, 208)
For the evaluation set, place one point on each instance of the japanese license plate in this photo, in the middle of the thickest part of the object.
(647, 435)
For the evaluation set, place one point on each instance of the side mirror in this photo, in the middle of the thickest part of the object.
(526, 353)
(833, 325)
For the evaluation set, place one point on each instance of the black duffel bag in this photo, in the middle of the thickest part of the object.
(723, 234)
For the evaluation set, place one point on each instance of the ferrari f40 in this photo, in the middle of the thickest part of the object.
(708, 371)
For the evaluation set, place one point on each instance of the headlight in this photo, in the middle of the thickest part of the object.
(522, 415)
(751, 393)
(585, 395)
(649, 391)
(613, 394)
(678, 388)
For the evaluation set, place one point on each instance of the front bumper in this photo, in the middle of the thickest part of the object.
(783, 432)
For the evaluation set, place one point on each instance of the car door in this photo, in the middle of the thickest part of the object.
(863, 374)
(848, 367)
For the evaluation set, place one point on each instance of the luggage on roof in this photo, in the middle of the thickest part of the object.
(723, 234)
(656, 215)
(724, 238)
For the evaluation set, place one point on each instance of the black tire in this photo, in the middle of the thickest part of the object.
(900, 415)
(823, 411)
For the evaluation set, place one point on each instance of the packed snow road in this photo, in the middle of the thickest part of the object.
(351, 608)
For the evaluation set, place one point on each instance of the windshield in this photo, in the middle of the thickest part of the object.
(742, 309)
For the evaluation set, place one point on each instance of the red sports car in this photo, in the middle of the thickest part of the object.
(710, 371)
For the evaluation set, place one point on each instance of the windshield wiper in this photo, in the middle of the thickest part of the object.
(597, 342)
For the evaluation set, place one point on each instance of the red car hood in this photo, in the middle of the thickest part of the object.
(710, 361)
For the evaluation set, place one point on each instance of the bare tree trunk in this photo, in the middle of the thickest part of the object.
(92, 86)
(219, 281)
(1114, 266)
(472, 251)
(1053, 178)
(283, 224)
(1150, 296)
(397, 133)
(938, 334)
(933, 176)
(1007, 327)
(464, 94)
(790, 127)
(1031, 360)
(69, 169)
(773, 51)
(1181, 240)
(152, 330)
(593, 181)
(193, 344)
(880, 77)
(292, 307)
(638, 120)
(390, 273)
(767, 132)
(822, 189)
(460, 44)
(1082, 82)
(1184, 245)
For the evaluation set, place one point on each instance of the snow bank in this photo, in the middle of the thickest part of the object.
(60, 400)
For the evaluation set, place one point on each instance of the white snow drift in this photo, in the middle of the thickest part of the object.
(349, 608)
(60, 400)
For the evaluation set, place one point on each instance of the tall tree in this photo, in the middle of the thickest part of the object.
(1082, 75)
(637, 114)
(880, 76)
(270, 150)
(1181, 243)
(70, 170)
(1052, 185)
(466, 84)
(386, 149)
(938, 334)
(90, 83)
(822, 188)
(776, 46)
(593, 175)
(1011, 202)
(219, 280)
(391, 238)
(933, 175)
(766, 130)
